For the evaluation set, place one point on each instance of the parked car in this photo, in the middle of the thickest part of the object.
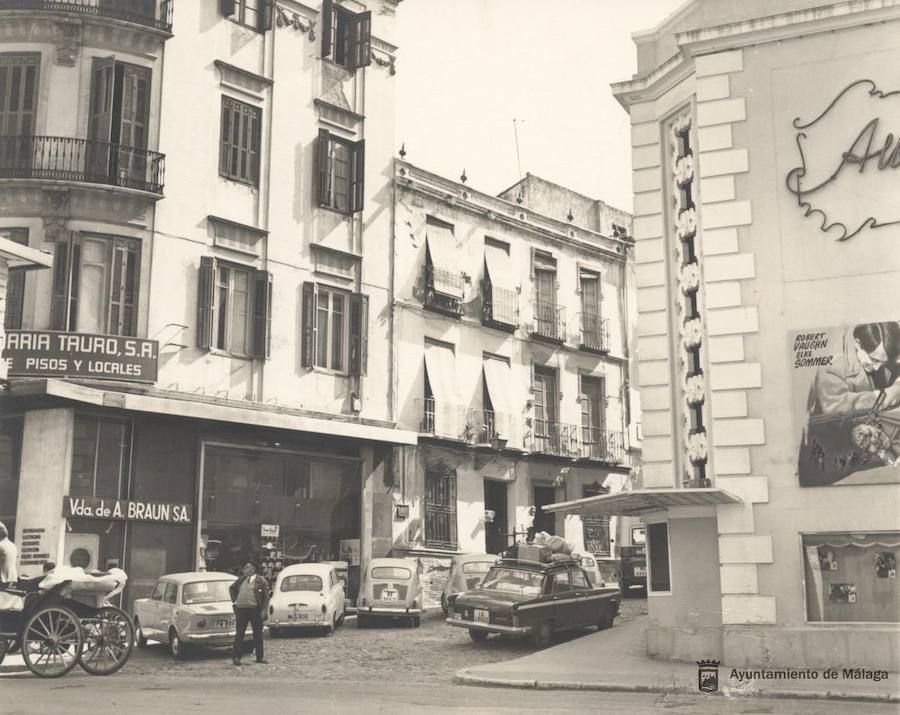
(592, 568)
(530, 598)
(343, 572)
(186, 610)
(306, 596)
(390, 588)
(634, 567)
(466, 572)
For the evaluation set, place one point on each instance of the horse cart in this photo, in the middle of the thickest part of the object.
(58, 624)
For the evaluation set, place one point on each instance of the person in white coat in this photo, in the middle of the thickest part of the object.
(8, 556)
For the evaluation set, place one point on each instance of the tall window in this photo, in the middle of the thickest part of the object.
(19, 75)
(335, 329)
(546, 406)
(440, 507)
(240, 141)
(235, 309)
(255, 14)
(346, 36)
(95, 285)
(548, 323)
(15, 285)
(99, 458)
(340, 173)
(593, 408)
(658, 557)
(596, 526)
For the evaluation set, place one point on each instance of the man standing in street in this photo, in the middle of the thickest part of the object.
(8, 556)
(250, 596)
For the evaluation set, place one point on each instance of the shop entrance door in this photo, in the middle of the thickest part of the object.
(495, 539)
(544, 521)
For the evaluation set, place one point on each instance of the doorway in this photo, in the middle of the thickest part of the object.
(543, 520)
(495, 539)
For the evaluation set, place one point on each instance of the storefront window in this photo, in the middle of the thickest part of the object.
(98, 458)
(10, 450)
(313, 501)
(852, 577)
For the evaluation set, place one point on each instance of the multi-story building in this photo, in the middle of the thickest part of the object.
(511, 336)
(209, 360)
(766, 232)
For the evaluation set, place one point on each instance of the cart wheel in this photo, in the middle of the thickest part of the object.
(108, 641)
(52, 641)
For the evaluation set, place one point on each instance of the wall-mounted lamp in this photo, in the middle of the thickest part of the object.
(498, 442)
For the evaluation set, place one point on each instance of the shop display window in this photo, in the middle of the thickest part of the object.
(313, 501)
(852, 577)
(98, 458)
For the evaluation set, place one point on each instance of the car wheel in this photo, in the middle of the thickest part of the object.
(177, 647)
(361, 621)
(416, 622)
(606, 620)
(543, 635)
(139, 634)
(330, 629)
(444, 607)
(478, 636)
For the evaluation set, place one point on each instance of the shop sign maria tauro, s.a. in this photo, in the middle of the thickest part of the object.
(126, 510)
(46, 353)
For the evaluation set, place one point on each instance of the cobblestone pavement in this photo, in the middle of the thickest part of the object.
(431, 653)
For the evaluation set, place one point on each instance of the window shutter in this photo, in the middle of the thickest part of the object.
(206, 296)
(327, 20)
(264, 15)
(59, 296)
(262, 315)
(227, 7)
(357, 176)
(308, 329)
(362, 41)
(322, 197)
(359, 333)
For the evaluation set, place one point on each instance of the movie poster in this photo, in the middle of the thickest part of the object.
(846, 396)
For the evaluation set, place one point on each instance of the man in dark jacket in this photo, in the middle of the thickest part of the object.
(250, 597)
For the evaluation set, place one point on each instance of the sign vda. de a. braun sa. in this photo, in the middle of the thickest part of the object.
(45, 353)
(126, 510)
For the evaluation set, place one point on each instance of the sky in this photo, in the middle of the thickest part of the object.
(467, 68)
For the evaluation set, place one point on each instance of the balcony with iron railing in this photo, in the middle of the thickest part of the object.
(442, 301)
(594, 333)
(500, 307)
(599, 445)
(442, 419)
(148, 13)
(549, 321)
(81, 160)
(486, 426)
(577, 442)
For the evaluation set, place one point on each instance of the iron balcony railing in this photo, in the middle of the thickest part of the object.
(68, 159)
(442, 419)
(500, 308)
(435, 299)
(549, 321)
(594, 333)
(556, 438)
(485, 425)
(141, 12)
(601, 446)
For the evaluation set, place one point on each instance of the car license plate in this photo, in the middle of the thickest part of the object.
(225, 623)
(481, 616)
(388, 595)
(297, 616)
(640, 571)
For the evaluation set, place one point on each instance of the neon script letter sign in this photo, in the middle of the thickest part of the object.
(869, 150)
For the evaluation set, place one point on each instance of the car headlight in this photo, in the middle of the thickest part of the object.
(201, 623)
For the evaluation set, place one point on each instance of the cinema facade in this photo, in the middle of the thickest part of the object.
(767, 230)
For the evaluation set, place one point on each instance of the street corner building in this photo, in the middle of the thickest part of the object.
(766, 230)
(263, 336)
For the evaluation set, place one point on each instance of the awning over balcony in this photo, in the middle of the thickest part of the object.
(642, 501)
(497, 379)
(442, 249)
(499, 267)
(440, 368)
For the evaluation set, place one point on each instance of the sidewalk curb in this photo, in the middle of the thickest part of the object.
(463, 678)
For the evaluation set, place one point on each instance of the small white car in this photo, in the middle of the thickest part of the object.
(306, 596)
(589, 564)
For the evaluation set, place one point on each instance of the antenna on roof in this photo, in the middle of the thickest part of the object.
(518, 155)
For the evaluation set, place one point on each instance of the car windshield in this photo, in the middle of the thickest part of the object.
(205, 592)
(386, 572)
(301, 582)
(525, 583)
(477, 566)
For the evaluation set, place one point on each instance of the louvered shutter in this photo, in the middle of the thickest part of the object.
(226, 7)
(322, 169)
(357, 176)
(308, 329)
(206, 302)
(262, 314)
(60, 293)
(264, 15)
(327, 20)
(361, 34)
(359, 333)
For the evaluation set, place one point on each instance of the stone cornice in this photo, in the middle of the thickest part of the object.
(655, 83)
(461, 196)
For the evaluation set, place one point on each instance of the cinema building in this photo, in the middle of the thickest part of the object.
(209, 360)
(767, 233)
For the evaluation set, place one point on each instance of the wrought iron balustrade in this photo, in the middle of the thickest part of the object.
(556, 438)
(549, 321)
(439, 300)
(68, 159)
(140, 12)
(594, 333)
(500, 308)
(442, 419)
(599, 445)
(485, 425)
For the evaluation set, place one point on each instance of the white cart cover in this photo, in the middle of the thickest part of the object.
(108, 583)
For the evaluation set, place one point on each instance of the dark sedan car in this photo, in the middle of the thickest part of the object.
(527, 598)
